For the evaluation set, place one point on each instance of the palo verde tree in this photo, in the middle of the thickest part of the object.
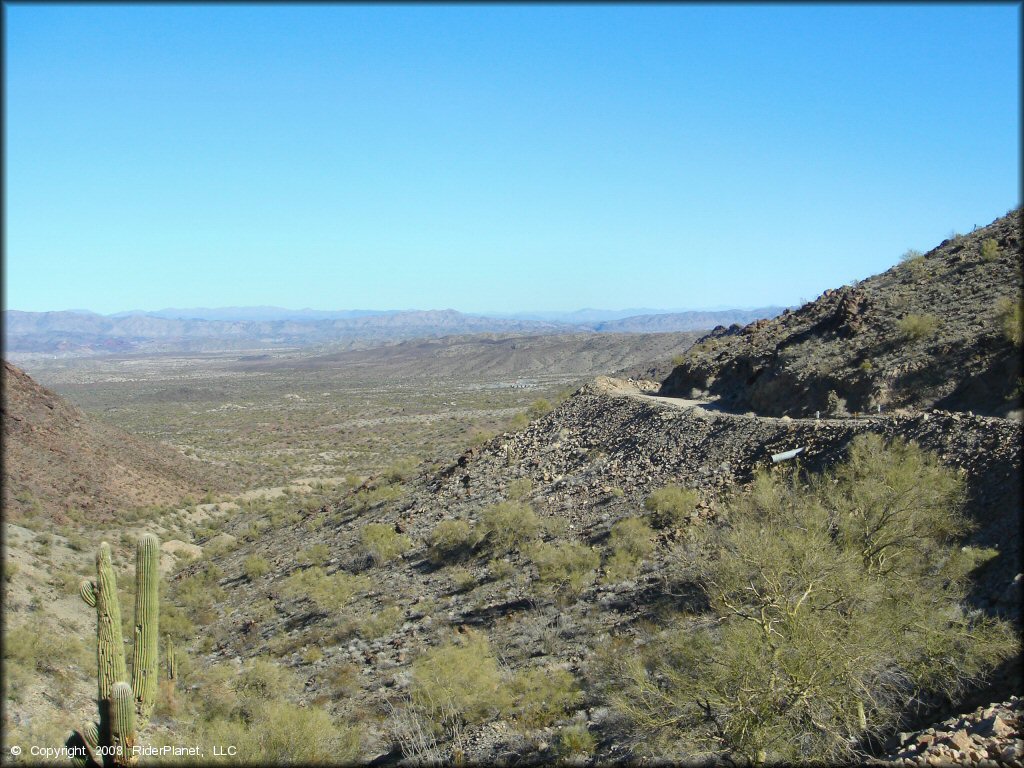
(836, 603)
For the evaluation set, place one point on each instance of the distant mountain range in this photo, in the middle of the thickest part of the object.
(77, 332)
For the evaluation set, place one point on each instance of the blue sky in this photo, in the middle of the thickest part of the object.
(494, 158)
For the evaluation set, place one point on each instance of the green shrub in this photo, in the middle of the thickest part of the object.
(630, 541)
(459, 682)
(671, 506)
(566, 568)
(989, 249)
(1010, 315)
(328, 593)
(811, 643)
(507, 526)
(576, 739)
(539, 407)
(383, 543)
(450, 540)
(538, 697)
(462, 579)
(255, 566)
(381, 623)
(918, 326)
(318, 554)
(911, 254)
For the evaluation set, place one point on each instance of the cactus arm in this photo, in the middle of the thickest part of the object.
(147, 602)
(122, 725)
(87, 589)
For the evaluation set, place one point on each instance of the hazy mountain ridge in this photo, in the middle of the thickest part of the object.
(67, 333)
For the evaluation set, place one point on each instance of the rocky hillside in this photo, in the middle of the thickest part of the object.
(586, 465)
(60, 465)
(930, 332)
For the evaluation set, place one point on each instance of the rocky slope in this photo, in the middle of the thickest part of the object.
(589, 463)
(60, 465)
(926, 333)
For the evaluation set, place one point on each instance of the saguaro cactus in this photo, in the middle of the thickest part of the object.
(111, 742)
(147, 602)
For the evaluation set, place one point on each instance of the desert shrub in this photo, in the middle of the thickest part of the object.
(501, 569)
(835, 609)
(670, 507)
(539, 407)
(459, 682)
(576, 739)
(369, 497)
(989, 249)
(11, 569)
(276, 732)
(918, 326)
(519, 488)
(866, 365)
(630, 541)
(565, 569)
(515, 423)
(33, 650)
(381, 623)
(538, 697)
(1010, 315)
(911, 254)
(383, 543)
(263, 680)
(462, 579)
(255, 566)
(318, 554)
(507, 526)
(400, 470)
(449, 540)
(328, 593)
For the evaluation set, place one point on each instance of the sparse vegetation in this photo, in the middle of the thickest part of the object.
(450, 540)
(1010, 315)
(671, 506)
(507, 526)
(989, 249)
(630, 541)
(565, 569)
(383, 543)
(327, 592)
(255, 566)
(915, 327)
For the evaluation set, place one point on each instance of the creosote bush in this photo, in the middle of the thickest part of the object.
(507, 526)
(450, 540)
(1010, 315)
(671, 506)
(565, 569)
(836, 607)
(327, 592)
(918, 326)
(383, 543)
(630, 541)
(255, 566)
(989, 249)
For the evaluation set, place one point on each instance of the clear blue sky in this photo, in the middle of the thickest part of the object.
(491, 158)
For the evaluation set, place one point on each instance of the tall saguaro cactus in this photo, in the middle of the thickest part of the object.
(147, 602)
(112, 739)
